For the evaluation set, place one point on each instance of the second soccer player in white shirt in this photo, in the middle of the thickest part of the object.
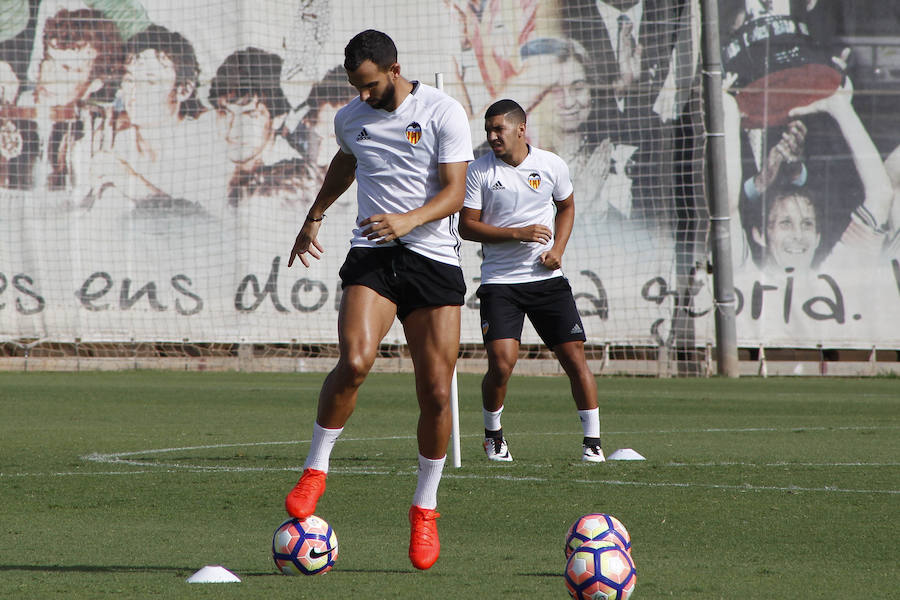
(520, 205)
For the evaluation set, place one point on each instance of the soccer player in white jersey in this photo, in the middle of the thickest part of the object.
(407, 145)
(520, 205)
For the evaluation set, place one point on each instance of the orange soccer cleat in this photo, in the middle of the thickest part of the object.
(424, 545)
(301, 501)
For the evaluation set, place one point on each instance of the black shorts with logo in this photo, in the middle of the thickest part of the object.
(404, 277)
(549, 304)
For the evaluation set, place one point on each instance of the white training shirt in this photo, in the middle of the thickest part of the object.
(509, 196)
(397, 156)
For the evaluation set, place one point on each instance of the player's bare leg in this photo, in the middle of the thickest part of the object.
(502, 357)
(364, 319)
(574, 362)
(432, 335)
(584, 390)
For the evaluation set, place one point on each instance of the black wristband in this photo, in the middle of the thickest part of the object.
(308, 218)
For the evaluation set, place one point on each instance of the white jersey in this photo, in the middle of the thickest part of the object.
(509, 196)
(397, 156)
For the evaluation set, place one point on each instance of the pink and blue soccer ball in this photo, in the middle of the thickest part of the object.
(597, 526)
(600, 570)
(304, 546)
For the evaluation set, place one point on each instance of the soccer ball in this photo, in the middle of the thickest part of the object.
(600, 570)
(597, 526)
(304, 546)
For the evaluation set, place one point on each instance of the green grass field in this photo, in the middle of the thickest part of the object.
(120, 485)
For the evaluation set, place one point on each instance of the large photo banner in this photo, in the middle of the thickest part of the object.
(813, 159)
(157, 159)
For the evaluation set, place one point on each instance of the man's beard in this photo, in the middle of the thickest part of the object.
(386, 101)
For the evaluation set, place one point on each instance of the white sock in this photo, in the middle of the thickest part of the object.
(590, 422)
(429, 477)
(320, 449)
(491, 419)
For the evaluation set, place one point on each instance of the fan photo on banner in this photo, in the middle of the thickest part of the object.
(812, 168)
(156, 158)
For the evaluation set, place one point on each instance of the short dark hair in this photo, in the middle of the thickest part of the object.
(247, 73)
(180, 51)
(370, 45)
(333, 88)
(87, 27)
(506, 107)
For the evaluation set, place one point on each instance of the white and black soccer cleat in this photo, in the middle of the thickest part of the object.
(497, 450)
(592, 452)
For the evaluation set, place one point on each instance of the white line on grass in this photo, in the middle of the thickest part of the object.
(117, 456)
(124, 458)
(747, 487)
(449, 475)
(781, 463)
(374, 470)
(736, 430)
(174, 468)
(743, 488)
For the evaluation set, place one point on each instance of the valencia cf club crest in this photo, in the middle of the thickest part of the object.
(534, 180)
(413, 133)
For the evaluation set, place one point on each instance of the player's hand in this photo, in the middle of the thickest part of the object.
(306, 243)
(841, 60)
(728, 81)
(792, 141)
(110, 170)
(387, 227)
(534, 233)
(629, 58)
(787, 152)
(551, 259)
(840, 100)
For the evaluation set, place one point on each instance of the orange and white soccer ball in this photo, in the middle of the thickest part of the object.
(304, 546)
(600, 570)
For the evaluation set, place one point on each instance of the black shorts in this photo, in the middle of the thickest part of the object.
(549, 304)
(404, 277)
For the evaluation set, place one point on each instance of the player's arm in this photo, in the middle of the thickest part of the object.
(879, 192)
(565, 220)
(472, 228)
(740, 247)
(786, 155)
(389, 227)
(892, 165)
(340, 175)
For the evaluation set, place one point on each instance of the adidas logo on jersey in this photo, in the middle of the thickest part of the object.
(497, 186)
(363, 135)
(577, 329)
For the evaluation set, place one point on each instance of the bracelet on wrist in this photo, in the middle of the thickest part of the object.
(315, 220)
